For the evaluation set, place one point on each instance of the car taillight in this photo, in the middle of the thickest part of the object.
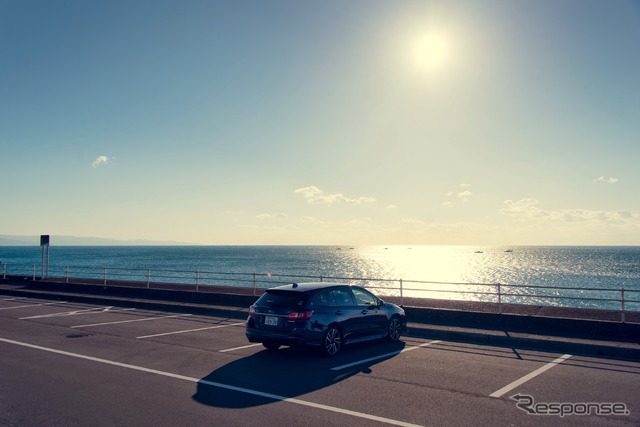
(252, 311)
(300, 315)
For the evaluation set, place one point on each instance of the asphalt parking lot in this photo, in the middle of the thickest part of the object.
(69, 363)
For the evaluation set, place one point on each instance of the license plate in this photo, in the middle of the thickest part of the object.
(271, 321)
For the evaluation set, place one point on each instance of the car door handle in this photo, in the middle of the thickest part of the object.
(364, 312)
(339, 312)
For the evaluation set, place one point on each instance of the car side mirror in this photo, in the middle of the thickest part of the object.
(373, 306)
(380, 303)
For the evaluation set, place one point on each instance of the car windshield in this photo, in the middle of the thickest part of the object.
(277, 298)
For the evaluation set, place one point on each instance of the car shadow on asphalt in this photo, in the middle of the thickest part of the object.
(269, 376)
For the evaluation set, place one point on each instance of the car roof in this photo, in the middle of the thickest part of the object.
(308, 286)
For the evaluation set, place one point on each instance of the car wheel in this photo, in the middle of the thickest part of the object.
(332, 341)
(271, 345)
(395, 328)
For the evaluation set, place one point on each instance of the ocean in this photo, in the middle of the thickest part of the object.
(530, 274)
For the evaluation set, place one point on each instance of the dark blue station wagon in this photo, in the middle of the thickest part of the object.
(326, 315)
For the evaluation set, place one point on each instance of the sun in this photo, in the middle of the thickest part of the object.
(431, 51)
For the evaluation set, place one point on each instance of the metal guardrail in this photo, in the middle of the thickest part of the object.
(621, 300)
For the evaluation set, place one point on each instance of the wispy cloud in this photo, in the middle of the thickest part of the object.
(525, 207)
(315, 195)
(609, 180)
(275, 215)
(463, 195)
(100, 160)
(312, 220)
(411, 221)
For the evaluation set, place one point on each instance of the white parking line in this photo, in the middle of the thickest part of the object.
(33, 305)
(382, 356)
(239, 348)
(529, 376)
(189, 330)
(12, 299)
(129, 321)
(96, 310)
(215, 384)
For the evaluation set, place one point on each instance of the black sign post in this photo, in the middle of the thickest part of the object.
(44, 244)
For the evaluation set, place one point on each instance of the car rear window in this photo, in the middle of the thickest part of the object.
(333, 297)
(278, 298)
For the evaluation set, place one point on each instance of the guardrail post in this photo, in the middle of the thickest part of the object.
(254, 284)
(148, 277)
(321, 279)
(4, 270)
(105, 277)
(499, 299)
(622, 305)
(66, 273)
(401, 293)
(34, 272)
(197, 277)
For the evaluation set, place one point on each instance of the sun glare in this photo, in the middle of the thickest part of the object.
(431, 51)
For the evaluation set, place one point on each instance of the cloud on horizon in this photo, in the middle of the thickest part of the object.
(527, 208)
(315, 195)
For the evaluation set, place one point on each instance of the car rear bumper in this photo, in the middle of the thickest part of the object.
(299, 336)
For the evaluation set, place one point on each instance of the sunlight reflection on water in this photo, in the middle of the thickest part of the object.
(473, 273)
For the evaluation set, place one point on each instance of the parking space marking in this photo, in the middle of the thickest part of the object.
(529, 376)
(129, 321)
(239, 348)
(12, 299)
(383, 356)
(78, 312)
(214, 384)
(189, 330)
(33, 305)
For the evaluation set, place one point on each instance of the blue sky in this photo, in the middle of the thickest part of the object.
(322, 122)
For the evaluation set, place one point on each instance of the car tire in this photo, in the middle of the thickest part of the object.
(331, 341)
(394, 330)
(271, 345)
